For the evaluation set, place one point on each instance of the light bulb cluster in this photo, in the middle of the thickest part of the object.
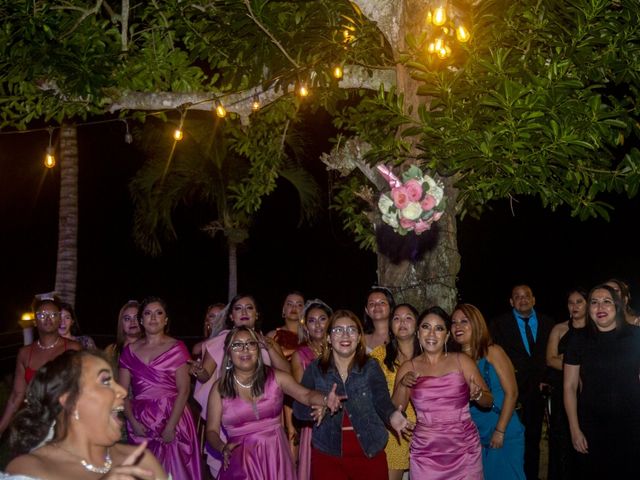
(445, 26)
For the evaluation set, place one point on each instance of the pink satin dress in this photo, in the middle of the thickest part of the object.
(154, 393)
(263, 450)
(304, 452)
(445, 442)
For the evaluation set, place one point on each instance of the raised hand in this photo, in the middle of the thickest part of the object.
(128, 469)
(334, 401)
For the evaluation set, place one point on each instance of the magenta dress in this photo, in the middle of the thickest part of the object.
(154, 393)
(263, 450)
(304, 452)
(445, 442)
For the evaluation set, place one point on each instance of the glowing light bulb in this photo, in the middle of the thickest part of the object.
(178, 134)
(50, 158)
(220, 110)
(337, 72)
(443, 52)
(303, 91)
(439, 16)
(431, 48)
(462, 34)
(255, 103)
(438, 45)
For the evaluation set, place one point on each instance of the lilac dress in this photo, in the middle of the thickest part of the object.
(154, 393)
(304, 453)
(445, 442)
(263, 450)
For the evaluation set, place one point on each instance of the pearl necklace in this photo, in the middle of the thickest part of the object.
(48, 347)
(102, 470)
(242, 384)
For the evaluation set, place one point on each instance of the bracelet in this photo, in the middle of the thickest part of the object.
(479, 396)
(499, 431)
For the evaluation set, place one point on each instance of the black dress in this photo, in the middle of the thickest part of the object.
(609, 402)
(562, 455)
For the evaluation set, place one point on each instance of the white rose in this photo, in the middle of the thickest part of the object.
(434, 189)
(412, 211)
(384, 204)
(390, 219)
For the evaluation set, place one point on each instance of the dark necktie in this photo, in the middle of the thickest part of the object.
(527, 331)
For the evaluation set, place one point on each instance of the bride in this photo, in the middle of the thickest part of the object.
(71, 423)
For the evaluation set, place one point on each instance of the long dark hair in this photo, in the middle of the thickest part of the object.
(227, 385)
(360, 358)
(391, 348)
(368, 321)
(42, 407)
(75, 328)
(229, 322)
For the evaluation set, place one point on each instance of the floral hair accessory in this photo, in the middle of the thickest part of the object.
(413, 203)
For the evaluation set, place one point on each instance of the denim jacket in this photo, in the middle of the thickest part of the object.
(368, 405)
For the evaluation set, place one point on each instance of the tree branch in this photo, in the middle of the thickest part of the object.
(269, 34)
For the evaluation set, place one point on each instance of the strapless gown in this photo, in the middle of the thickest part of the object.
(445, 442)
(263, 450)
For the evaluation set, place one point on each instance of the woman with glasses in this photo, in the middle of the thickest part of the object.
(47, 346)
(602, 390)
(376, 317)
(403, 345)
(445, 442)
(156, 369)
(247, 401)
(350, 444)
(128, 331)
(241, 311)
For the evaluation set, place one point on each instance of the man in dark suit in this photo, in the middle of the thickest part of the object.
(523, 334)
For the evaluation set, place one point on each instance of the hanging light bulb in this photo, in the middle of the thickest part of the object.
(178, 134)
(50, 158)
(438, 45)
(50, 155)
(337, 72)
(303, 91)
(444, 51)
(439, 16)
(255, 103)
(221, 112)
(462, 34)
(431, 48)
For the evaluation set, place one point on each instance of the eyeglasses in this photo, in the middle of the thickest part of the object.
(250, 346)
(44, 315)
(350, 330)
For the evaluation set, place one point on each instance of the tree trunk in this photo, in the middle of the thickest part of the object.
(431, 280)
(233, 269)
(67, 262)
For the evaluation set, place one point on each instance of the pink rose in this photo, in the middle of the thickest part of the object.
(414, 190)
(421, 226)
(407, 224)
(400, 198)
(436, 216)
(428, 203)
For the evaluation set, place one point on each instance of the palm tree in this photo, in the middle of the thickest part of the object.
(228, 168)
(67, 261)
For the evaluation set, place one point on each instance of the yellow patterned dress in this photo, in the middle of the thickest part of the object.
(397, 450)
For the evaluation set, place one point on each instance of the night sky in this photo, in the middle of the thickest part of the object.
(548, 250)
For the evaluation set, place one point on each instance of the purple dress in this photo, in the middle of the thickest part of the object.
(445, 442)
(154, 393)
(304, 453)
(263, 450)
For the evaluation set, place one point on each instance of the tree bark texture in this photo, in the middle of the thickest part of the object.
(430, 279)
(67, 262)
(233, 269)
